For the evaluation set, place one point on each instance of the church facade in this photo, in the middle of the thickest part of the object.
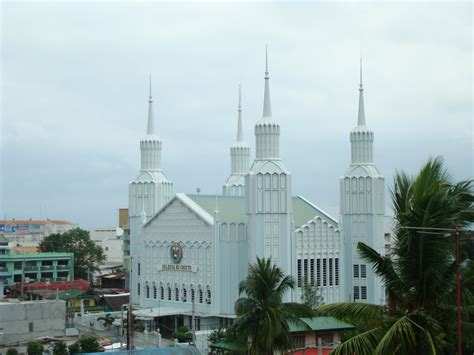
(190, 251)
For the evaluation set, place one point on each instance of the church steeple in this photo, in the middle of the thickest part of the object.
(239, 159)
(150, 145)
(151, 124)
(362, 137)
(267, 106)
(267, 131)
(240, 134)
(361, 116)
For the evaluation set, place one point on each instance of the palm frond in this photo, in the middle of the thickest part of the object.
(363, 343)
(353, 312)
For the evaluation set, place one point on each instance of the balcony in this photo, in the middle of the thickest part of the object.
(62, 267)
(47, 267)
(3, 270)
(31, 268)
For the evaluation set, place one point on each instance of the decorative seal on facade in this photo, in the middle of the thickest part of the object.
(176, 252)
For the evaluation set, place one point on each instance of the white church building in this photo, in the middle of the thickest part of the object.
(190, 251)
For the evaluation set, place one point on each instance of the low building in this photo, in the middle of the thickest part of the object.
(31, 232)
(317, 335)
(114, 280)
(31, 267)
(28, 320)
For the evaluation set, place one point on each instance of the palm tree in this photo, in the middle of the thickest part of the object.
(108, 320)
(262, 315)
(419, 277)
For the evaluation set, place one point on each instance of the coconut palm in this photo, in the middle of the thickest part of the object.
(419, 277)
(108, 320)
(262, 315)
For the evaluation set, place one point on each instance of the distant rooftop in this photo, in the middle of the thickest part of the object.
(319, 324)
(35, 221)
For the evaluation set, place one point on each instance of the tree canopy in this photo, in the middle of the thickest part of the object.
(87, 255)
(419, 276)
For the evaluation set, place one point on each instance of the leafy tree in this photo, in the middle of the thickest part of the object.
(217, 335)
(34, 348)
(87, 255)
(419, 278)
(60, 348)
(312, 296)
(183, 334)
(262, 315)
(12, 351)
(74, 348)
(89, 344)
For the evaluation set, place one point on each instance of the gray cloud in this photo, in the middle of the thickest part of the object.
(74, 91)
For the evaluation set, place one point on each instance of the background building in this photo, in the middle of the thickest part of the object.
(30, 267)
(31, 232)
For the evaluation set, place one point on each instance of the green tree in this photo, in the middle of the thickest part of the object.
(12, 351)
(60, 348)
(262, 315)
(34, 348)
(217, 335)
(419, 278)
(74, 348)
(87, 255)
(183, 334)
(89, 344)
(311, 296)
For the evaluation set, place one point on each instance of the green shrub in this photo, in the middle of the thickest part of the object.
(60, 348)
(12, 351)
(89, 345)
(74, 348)
(34, 348)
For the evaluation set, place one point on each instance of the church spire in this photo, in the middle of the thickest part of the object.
(361, 116)
(151, 126)
(267, 107)
(240, 134)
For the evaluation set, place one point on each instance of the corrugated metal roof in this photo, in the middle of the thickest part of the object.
(319, 324)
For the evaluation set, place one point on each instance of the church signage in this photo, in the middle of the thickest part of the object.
(181, 267)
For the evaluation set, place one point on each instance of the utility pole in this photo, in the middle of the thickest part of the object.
(193, 319)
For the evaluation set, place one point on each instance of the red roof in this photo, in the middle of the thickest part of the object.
(79, 284)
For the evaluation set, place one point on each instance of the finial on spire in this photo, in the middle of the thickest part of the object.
(240, 135)
(150, 88)
(240, 97)
(266, 61)
(361, 116)
(267, 107)
(151, 125)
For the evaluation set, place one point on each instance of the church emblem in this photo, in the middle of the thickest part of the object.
(176, 252)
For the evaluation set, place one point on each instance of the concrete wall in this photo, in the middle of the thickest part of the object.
(24, 321)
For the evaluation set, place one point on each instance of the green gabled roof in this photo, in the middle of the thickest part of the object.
(319, 324)
(232, 208)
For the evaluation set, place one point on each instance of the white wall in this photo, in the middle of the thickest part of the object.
(48, 318)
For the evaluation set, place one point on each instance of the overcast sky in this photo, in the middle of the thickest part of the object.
(75, 86)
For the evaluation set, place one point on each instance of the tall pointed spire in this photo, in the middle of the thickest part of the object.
(240, 134)
(151, 125)
(361, 116)
(267, 107)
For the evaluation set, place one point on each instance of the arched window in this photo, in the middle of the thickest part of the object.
(138, 289)
(162, 292)
(147, 288)
(176, 293)
(185, 294)
(201, 294)
(169, 293)
(192, 294)
(154, 292)
(208, 296)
